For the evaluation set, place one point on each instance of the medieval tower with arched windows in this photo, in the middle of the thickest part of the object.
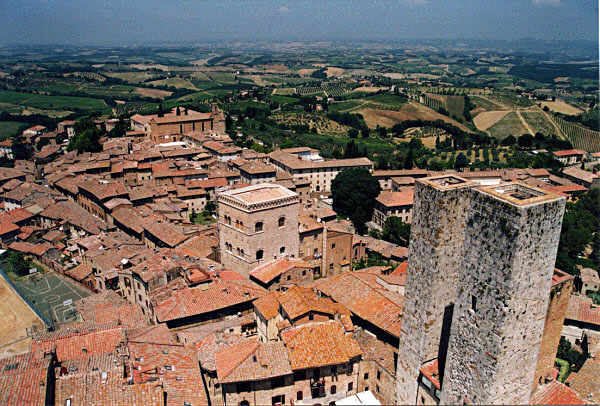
(257, 224)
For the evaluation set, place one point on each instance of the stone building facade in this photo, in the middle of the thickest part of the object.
(437, 237)
(257, 224)
(510, 247)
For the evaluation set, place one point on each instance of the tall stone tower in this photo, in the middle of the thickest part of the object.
(257, 224)
(434, 259)
(511, 240)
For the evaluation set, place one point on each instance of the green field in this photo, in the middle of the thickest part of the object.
(174, 82)
(9, 128)
(285, 91)
(345, 105)
(283, 99)
(509, 125)
(51, 102)
(222, 77)
(389, 99)
(539, 123)
(131, 77)
(486, 104)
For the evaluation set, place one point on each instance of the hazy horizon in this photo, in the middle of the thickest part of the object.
(114, 22)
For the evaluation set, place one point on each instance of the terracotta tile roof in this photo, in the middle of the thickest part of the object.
(555, 393)
(319, 345)
(298, 301)
(103, 191)
(16, 216)
(79, 340)
(567, 152)
(431, 370)
(252, 361)
(108, 307)
(206, 183)
(272, 269)
(98, 380)
(175, 366)
(194, 301)
(566, 188)
(210, 344)
(268, 305)
(23, 379)
(401, 269)
(293, 162)
(163, 231)
(365, 300)
(396, 199)
(29, 248)
(582, 309)
(6, 228)
(80, 272)
(578, 173)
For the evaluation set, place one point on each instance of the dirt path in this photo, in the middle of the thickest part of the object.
(525, 123)
(504, 106)
(556, 127)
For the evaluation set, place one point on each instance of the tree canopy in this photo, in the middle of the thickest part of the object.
(396, 231)
(354, 192)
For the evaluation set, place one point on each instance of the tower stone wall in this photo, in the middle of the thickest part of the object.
(511, 240)
(436, 243)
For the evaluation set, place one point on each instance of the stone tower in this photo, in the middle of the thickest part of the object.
(436, 242)
(511, 240)
(257, 224)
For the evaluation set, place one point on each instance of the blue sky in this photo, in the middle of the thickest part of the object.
(122, 22)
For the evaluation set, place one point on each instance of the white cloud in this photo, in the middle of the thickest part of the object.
(551, 2)
(284, 9)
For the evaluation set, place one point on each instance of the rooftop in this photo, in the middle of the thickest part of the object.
(396, 199)
(252, 361)
(272, 269)
(519, 194)
(445, 182)
(256, 194)
(319, 345)
(555, 393)
(586, 382)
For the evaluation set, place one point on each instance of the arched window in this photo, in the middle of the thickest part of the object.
(237, 224)
(258, 227)
(281, 221)
(259, 255)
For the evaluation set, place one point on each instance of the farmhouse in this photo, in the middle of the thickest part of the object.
(570, 156)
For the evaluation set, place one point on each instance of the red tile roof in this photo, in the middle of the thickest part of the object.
(432, 372)
(319, 345)
(555, 393)
(272, 269)
(366, 300)
(396, 199)
(29, 248)
(194, 301)
(23, 379)
(586, 382)
(79, 340)
(568, 152)
(583, 309)
(80, 272)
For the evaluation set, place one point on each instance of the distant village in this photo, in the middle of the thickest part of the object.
(217, 275)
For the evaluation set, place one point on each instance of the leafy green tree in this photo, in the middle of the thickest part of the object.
(353, 133)
(86, 141)
(508, 141)
(525, 141)
(396, 231)
(21, 149)
(210, 207)
(19, 263)
(354, 192)
(120, 129)
(461, 161)
(364, 132)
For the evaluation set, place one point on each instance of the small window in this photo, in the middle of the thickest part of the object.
(258, 227)
(378, 375)
(289, 277)
(311, 317)
(282, 250)
(259, 255)
(281, 222)
(473, 303)
(350, 386)
(366, 375)
(303, 273)
(332, 246)
(299, 395)
(333, 389)
(377, 388)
